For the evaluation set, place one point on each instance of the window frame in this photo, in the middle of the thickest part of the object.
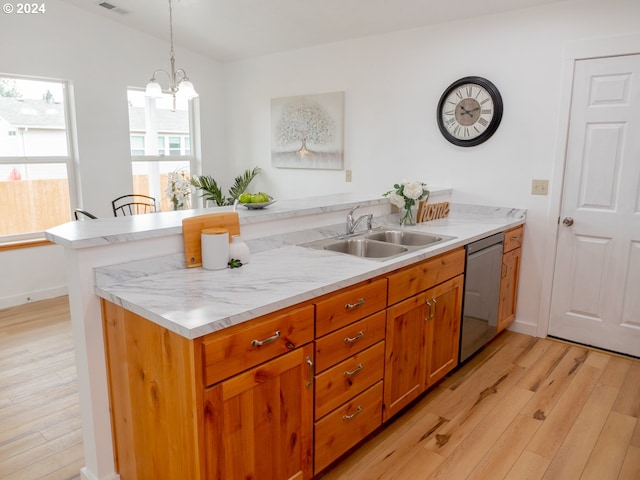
(68, 160)
(194, 140)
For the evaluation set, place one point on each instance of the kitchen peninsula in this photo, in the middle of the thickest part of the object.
(137, 265)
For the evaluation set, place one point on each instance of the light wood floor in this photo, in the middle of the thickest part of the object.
(40, 431)
(522, 409)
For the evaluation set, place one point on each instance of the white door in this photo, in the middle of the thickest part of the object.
(596, 287)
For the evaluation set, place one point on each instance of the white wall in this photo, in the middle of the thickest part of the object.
(101, 59)
(392, 85)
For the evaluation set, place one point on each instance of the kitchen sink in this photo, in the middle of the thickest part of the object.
(380, 243)
(405, 237)
(364, 247)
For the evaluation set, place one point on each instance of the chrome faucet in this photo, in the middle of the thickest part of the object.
(353, 224)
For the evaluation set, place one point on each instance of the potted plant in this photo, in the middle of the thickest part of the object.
(212, 192)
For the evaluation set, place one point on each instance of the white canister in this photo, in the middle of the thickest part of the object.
(239, 250)
(214, 248)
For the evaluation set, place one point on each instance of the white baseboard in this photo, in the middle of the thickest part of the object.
(86, 475)
(29, 297)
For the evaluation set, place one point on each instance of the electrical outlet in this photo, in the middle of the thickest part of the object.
(539, 187)
(347, 175)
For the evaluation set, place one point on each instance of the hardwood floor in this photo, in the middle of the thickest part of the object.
(40, 430)
(522, 409)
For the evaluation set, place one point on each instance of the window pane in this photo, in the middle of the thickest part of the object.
(33, 197)
(154, 118)
(32, 118)
(152, 178)
(34, 190)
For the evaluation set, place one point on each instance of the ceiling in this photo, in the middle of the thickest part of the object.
(228, 30)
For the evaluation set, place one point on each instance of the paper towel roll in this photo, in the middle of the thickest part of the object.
(215, 248)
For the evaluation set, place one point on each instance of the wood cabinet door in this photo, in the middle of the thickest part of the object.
(259, 424)
(444, 311)
(509, 288)
(404, 354)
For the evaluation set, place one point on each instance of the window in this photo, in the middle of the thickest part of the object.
(36, 167)
(161, 140)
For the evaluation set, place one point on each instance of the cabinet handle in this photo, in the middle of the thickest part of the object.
(356, 338)
(513, 239)
(266, 341)
(353, 415)
(310, 363)
(349, 306)
(354, 371)
(504, 270)
(432, 308)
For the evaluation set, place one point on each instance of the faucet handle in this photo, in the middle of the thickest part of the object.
(353, 210)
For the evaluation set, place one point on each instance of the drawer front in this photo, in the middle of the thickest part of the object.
(342, 429)
(337, 310)
(238, 348)
(513, 238)
(353, 338)
(347, 379)
(415, 279)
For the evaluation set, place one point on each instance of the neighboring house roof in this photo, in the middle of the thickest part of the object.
(42, 114)
(31, 113)
(168, 121)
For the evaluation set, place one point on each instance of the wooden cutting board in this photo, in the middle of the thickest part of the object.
(191, 228)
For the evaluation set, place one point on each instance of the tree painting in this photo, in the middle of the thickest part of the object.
(307, 131)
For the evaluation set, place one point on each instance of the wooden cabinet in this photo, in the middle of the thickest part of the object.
(258, 424)
(350, 330)
(234, 404)
(423, 331)
(284, 395)
(444, 310)
(510, 275)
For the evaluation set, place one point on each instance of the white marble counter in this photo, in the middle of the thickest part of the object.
(194, 301)
(105, 231)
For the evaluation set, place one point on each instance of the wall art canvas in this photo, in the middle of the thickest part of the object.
(307, 131)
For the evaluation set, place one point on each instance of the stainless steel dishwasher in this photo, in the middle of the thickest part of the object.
(481, 294)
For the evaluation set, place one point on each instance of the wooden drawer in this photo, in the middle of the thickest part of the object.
(354, 338)
(342, 429)
(238, 348)
(417, 278)
(513, 238)
(350, 377)
(336, 310)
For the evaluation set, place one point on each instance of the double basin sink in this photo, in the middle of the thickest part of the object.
(380, 243)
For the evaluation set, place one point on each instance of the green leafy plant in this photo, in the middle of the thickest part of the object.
(212, 192)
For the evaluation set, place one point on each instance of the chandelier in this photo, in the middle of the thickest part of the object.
(180, 83)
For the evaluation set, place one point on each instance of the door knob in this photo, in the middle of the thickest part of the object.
(568, 221)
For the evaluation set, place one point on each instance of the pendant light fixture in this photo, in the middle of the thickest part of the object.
(180, 83)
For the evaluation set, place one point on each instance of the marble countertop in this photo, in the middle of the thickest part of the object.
(194, 302)
(110, 230)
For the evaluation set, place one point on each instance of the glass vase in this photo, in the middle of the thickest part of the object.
(408, 217)
(238, 250)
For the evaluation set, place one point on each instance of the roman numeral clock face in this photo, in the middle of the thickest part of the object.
(469, 111)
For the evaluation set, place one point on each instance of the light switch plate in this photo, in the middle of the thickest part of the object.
(347, 175)
(539, 187)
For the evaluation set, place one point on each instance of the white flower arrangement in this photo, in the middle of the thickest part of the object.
(178, 189)
(405, 195)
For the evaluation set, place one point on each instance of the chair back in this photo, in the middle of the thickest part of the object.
(133, 204)
(81, 214)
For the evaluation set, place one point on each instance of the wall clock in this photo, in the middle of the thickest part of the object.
(469, 111)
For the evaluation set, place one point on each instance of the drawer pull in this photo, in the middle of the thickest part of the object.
(310, 381)
(356, 338)
(353, 415)
(266, 341)
(354, 371)
(513, 239)
(350, 306)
